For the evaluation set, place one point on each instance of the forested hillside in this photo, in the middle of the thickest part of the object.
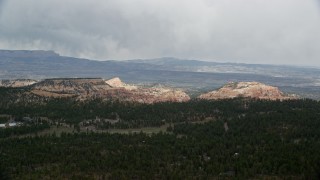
(236, 138)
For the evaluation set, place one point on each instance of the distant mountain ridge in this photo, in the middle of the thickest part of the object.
(192, 75)
(27, 53)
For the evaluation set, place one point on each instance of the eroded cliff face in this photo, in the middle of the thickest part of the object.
(81, 87)
(117, 83)
(152, 95)
(113, 89)
(17, 83)
(145, 95)
(254, 90)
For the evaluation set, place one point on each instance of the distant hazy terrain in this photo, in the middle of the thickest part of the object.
(192, 75)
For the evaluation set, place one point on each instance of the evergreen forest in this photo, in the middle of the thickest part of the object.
(239, 138)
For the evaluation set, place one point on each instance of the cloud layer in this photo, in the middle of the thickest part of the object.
(251, 31)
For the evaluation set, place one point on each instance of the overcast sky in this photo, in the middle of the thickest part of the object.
(249, 31)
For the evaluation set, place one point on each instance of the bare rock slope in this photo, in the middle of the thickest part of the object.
(113, 89)
(81, 87)
(117, 83)
(254, 90)
(17, 83)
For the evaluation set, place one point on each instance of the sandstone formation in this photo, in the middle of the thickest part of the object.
(82, 87)
(17, 83)
(254, 90)
(113, 89)
(117, 83)
(152, 95)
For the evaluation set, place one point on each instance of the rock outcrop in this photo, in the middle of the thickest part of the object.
(152, 95)
(113, 89)
(17, 83)
(117, 83)
(81, 87)
(254, 90)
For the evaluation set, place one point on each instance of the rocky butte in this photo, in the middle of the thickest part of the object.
(112, 89)
(115, 89)
(254, 90)
(70, 87)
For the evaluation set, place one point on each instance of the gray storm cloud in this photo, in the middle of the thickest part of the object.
(250, 31)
